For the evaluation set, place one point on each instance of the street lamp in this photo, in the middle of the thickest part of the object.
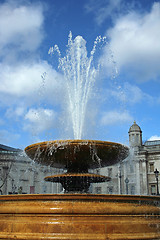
(120, 177)
(156, 175)
(127, 181)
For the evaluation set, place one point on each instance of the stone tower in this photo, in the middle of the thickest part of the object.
(135, 135)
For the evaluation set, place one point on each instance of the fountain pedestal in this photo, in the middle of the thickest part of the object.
(79, 216)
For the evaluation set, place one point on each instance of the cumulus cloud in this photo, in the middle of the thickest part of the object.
(20, 26)
(103, 9)
(39, 120)
(153, 138)
(15, 113)
(134, 41)
(29, 86)
(107, 9)
(24, 80)
(129, 93)
(21, 31)
(115, 117)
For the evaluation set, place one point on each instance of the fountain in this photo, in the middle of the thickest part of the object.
(78, 214)
(77, 156)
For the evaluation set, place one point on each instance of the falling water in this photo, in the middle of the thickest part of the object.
(80, 75)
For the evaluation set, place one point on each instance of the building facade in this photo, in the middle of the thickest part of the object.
(20, 175)
(137, 174)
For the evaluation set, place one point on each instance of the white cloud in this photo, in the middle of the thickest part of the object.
(133, 94)
(104, 9)
(134, 40)
(21, 26)
(39, 120)
(23, 87)
(15, 113)
(25, 80)
(115, 117)
(21, 31)
(129, 94)
(153, 138)
(108, 9)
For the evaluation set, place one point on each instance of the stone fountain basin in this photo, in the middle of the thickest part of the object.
(77, 153)
(79, 216)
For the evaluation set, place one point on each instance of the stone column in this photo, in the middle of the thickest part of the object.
(137, 167)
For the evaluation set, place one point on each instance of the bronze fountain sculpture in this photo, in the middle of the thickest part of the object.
(77, 156)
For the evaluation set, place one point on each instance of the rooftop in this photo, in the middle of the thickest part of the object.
(7, 148)
(151, 143)
(135, 128)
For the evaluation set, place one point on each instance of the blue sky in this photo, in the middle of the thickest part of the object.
(32, 107)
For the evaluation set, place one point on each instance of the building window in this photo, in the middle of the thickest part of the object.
(153, 189)
(109, 172)
(44, 188)
(132, 189)
(110, 190)
(151, 167)
(98, 190)
(32, 189)
(20, 190)
(131, 168)
(97, 171)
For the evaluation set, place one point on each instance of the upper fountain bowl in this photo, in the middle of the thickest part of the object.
(77, 155)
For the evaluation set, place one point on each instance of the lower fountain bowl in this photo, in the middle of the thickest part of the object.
(77, 182)
(79, 216)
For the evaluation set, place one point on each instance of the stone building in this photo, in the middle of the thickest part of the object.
(19, 174)
(135, 175)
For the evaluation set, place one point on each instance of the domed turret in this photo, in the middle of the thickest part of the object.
(135, 135)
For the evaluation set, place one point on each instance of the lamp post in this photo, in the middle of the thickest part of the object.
(156, 175)
(120, 178)
(126, 181)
